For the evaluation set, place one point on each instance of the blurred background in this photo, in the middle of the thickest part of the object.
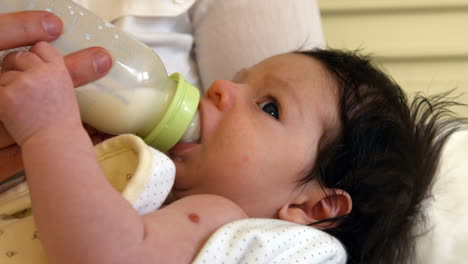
(422, 44)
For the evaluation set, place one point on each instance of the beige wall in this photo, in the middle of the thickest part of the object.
(423, 44)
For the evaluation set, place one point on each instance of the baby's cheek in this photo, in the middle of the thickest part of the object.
(242, 161)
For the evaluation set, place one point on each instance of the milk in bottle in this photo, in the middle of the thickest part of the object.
(136, 96)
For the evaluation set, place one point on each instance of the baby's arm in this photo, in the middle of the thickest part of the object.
(80, 217)
(176, 233)
(40, 111)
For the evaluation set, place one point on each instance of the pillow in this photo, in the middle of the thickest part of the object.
(446, 240)
(234, 34)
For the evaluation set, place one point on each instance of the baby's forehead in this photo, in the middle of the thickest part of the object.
(317, 88)
(297, 66)
(288, 63)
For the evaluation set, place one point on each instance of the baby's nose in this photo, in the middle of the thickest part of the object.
(221, 93)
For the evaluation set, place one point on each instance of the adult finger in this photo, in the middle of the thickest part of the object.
(88, 65)
(20, 61)
(28, 27)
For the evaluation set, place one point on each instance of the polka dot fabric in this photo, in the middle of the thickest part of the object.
(158, 186)
(270, 241)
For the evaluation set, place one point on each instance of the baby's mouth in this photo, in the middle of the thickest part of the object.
(177, 152)
(174, 157)
(192, 133)
(190, 139)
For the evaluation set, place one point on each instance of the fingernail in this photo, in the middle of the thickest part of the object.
(52, 24)
(102, 62)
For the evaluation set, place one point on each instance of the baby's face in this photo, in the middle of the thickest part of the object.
(259, 133)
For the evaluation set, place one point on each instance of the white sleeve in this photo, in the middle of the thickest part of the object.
(270, 241)
(233, 34)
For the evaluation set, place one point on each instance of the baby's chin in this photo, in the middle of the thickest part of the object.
(179, 193)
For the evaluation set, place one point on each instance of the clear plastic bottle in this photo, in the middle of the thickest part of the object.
(136, 96)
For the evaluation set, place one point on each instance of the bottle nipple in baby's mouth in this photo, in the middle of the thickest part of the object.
(192, 134)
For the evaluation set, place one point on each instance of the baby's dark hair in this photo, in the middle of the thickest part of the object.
(385, 156)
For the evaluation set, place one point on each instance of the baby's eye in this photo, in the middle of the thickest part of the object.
(270, 107)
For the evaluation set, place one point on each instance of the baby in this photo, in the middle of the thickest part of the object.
(320, 138)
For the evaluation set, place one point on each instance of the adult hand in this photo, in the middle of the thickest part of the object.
(27, 28)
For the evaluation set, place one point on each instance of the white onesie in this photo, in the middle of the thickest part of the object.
(270, 241)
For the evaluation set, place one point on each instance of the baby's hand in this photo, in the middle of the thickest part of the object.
(36, 92)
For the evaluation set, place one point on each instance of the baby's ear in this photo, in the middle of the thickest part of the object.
(316, 205)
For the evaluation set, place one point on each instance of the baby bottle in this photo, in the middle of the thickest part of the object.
(136, 96)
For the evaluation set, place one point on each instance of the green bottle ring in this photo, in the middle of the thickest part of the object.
(177, 117)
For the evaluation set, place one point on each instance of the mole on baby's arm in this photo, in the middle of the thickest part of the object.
(194, 218)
